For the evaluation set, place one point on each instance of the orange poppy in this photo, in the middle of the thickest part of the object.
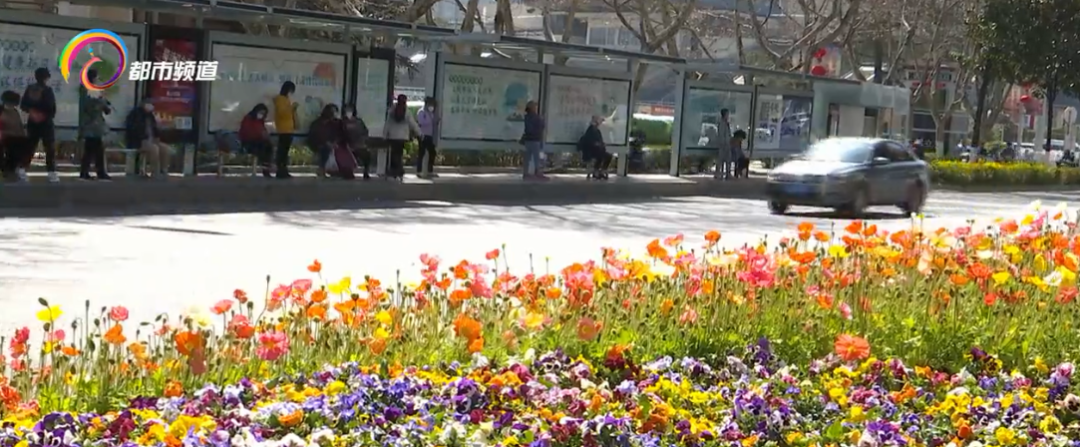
(851, 348)
(115, 335)
(476, 345)
(656, 250)
(317, 312)
(187, 342)
(712, 237)
(467, 328)
(315, 266)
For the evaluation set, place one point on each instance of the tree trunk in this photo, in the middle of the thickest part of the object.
(879, 61)
(980, 107)
(1051, 95)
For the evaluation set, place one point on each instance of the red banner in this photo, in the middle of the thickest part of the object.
(174, 101)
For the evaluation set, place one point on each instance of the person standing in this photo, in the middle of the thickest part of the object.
(255, 139)
(39, 103)
(356, 134)
(533, 140)
(399, 129)
(12, 137)
(725, 157)
(285, 122)
(142, 133)
(92, 129)
(428, 119)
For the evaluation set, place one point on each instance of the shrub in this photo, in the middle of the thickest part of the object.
(999, 174)
(657, 132)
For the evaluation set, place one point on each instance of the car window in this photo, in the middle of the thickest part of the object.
(898, 153)
(882, 150)
(839, 150)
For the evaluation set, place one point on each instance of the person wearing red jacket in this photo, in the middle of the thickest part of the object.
(254, 137)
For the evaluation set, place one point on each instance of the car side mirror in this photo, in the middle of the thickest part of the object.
(878, 161)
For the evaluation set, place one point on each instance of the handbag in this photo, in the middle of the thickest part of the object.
(331, 163)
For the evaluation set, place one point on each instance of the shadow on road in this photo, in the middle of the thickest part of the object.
(842, 216)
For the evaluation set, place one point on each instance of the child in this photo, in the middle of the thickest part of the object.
(12, 137)
(742, 162)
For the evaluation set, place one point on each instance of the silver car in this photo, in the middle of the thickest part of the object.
(850, 175)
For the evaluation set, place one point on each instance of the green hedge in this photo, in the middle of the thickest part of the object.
(952, 172)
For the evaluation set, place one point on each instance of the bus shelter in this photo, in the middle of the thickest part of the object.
(478, 114)
(779, 122)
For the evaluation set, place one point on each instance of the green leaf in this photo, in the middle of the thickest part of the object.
(835, 432)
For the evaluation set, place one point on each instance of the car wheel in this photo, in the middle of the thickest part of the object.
(916, 198)
(777, 207)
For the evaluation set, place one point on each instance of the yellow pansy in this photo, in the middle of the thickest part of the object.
(1050, 424)
(335, 387)
(1005, 436)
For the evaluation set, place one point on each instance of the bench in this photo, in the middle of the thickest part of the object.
(130, 157)
(221, 163)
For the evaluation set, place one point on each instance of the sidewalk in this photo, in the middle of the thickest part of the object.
(233, 193)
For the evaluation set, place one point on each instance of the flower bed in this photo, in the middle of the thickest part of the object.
(938, 300)
(558, 401)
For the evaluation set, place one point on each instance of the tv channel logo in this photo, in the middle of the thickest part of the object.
(200, 71)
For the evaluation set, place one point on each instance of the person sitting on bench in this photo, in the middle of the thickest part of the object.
(142, 133)
(592, 147)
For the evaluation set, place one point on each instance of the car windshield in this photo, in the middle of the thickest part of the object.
(839, 150)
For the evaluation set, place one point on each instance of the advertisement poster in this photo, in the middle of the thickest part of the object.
(174, 101)
(701, 113)
(248, 76)
(482, 103)
(372, 92)
(767, 125)
(795, 129)
(25, 48)
(574, 100)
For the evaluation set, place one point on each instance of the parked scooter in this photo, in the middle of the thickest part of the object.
(1068, 160)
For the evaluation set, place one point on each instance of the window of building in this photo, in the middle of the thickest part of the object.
(580, 27)
(612, 36)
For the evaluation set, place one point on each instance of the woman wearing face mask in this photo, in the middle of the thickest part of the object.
(285, 123)
(356, 134)
(429, 125)
(399, 129)
(255, 138)
(141, 132)
(323, 135)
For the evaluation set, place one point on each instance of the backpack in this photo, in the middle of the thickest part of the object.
(34, 94)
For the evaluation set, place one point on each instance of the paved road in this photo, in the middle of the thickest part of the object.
(158, 264)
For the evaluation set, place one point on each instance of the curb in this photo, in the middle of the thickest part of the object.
(210, 195)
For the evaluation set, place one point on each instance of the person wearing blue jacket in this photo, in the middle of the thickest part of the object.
(533, 140)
